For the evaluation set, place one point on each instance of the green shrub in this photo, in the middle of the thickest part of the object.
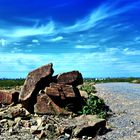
(94, 106)
(88, 88)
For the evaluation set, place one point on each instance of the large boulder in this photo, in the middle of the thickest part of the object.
(45, 105)
(84, 125)
(58, 99)
(71, 78)
(8, 97)
(35, 81)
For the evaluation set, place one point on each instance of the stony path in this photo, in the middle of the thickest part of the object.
(124, 101)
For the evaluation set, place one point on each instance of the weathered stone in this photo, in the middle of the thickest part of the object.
(35, 81)
(61, 90)
(14, 111)
(45, 105)
(71, 78)
(64, 96)
(84, 125)
(83, 94)
(8, 97)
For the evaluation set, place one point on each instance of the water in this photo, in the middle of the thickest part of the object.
(129, 90)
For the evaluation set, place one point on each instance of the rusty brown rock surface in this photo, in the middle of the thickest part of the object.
(71, 78)
(62, 90)
(45, 105)
(84, 125)
(38, 78)
(8, 97)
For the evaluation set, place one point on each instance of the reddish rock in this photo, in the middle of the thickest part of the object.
(71, 78)
(45, 105)
(62, 90)
(84, 125)
(35, 81)
(8, 97)
(53, 91)
(58, 99)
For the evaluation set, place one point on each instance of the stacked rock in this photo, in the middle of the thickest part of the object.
(43, 93)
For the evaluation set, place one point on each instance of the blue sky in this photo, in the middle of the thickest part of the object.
(100, 38)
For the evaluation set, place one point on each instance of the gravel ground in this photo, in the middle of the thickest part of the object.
(124, 100)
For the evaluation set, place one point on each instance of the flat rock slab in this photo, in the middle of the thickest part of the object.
(35, 79)
(84, 125)
(71, 78)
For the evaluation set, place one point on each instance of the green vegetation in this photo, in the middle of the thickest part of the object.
(107, 80)
(88, 87)
(136, 81)
(93, 104)
(10, 83)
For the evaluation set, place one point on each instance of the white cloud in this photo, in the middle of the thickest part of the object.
(127, 51)
(102, 12)
(17, 43)
(32, 31)
(137, 39)
(56, 39)
(2, 42)
(86, 46)
(35, 41)
(96, 64)
(89, 64)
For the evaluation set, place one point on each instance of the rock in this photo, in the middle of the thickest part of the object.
(45, 105)
(13, 112)
(8, 97)
(71, 78)
(11, 123)
(84, 125)
(61, 90)
(83, 94)
(36, 80)
(58, 99)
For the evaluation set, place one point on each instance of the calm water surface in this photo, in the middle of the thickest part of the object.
(129, 90)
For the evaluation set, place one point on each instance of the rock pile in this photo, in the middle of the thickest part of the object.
(38, 106)
(43, 93)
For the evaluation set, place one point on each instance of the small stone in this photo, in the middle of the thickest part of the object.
(11, 123)
(67, 135)
(17, 120)
(12, 131)
(84, 137)
(44, 117)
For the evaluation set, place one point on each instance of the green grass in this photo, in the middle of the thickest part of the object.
(88, 87)
(93, 104)
(10, 83)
